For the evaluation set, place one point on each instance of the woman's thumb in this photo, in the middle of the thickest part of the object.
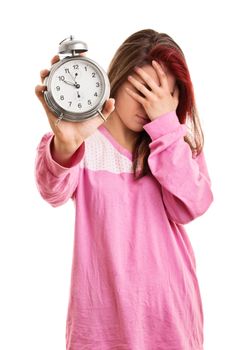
(109, 107)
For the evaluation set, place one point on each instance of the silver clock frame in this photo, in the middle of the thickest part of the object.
(60, 112)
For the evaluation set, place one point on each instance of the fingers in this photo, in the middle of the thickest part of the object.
(135, 96)
(151, 85)
(55, 59)
(43, 74)
(39, 91)
(139, 86)
(161, 74)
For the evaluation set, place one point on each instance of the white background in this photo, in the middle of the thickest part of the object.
(36, 240)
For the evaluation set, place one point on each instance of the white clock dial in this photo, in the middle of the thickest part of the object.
(77, 86)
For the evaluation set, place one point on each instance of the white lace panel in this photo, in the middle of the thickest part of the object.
(100, 154)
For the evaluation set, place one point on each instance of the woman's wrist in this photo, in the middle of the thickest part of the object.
(62, 153)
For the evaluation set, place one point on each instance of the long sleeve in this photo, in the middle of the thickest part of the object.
(184, 180)
(56, 183)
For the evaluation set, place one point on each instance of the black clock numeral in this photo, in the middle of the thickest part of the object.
(70, 103)
(85, 68)
(80, 105)
(76, 66)
(58, 88)
(95, 94)
(93, 75)
(89, 102)
(67, 70)
(97, 84)
(62, 97)
(61, 77)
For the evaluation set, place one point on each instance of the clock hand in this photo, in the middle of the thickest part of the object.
(68, 82)
(77, 87)
(74, 79)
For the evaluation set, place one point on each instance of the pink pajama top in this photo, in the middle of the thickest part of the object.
(133, 280)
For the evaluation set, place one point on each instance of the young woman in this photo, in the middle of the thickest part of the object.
(135, 179)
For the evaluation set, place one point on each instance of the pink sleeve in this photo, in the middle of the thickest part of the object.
(56, 183)
(185, 182)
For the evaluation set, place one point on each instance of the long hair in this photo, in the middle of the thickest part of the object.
(140, 49)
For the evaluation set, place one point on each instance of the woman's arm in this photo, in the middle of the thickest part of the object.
(56, 183)
(185, 182)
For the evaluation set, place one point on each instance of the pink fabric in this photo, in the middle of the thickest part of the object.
(133, 279)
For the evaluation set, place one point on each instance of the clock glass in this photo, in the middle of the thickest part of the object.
(77, 85)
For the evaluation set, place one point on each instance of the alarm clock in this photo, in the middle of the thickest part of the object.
(77, 87)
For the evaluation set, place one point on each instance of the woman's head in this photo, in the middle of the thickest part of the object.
(130, 111)
(139, 49)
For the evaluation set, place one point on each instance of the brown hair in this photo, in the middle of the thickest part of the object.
(139, 49)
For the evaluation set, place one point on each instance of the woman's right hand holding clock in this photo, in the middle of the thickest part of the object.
(68, 136)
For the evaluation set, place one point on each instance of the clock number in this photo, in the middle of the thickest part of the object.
(58, 88)
(70, 103)
(67, 70)
(95, 94)
(85, 68)
(80, 105)
(93, 75)
(97, 84)
(75, 66)
(61, 78)
(89, 102)
(62, 97)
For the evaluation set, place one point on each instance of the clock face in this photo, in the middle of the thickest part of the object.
(77, 85)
